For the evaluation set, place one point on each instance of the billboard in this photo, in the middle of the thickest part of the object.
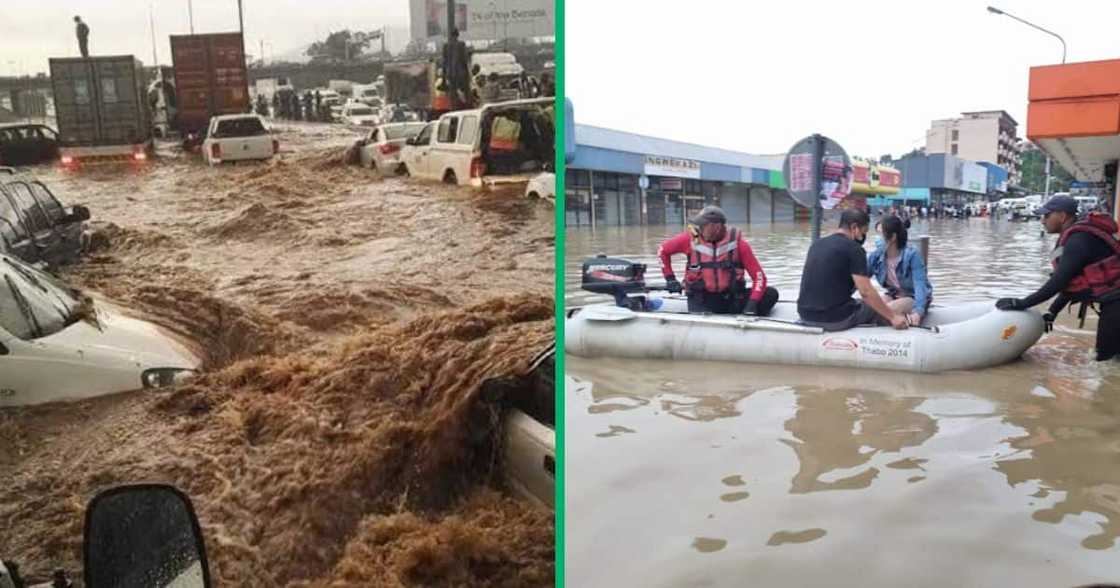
(483, 19)
(965, 176)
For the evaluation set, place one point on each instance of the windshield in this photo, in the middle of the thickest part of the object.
(361, 111)
(240, 127)
(32, 304)
(403, 131)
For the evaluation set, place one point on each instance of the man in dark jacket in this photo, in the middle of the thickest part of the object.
(455, 69)
(1086, 263)
(83, 36)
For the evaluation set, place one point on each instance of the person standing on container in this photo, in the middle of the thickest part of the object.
(719, 258)
(82, 30)
(1086, 263)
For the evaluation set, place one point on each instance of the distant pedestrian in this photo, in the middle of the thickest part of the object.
(83, 36)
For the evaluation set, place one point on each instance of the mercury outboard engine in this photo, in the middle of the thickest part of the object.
(621, 278)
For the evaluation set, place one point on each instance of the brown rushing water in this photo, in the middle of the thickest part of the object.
(338, 436)
(718, 474)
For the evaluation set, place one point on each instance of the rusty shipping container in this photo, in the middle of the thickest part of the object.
(100, 106)
(210, 78)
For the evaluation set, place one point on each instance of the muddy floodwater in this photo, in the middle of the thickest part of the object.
(337, 435)
(716, 474)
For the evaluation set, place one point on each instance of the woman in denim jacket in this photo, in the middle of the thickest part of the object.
(899, 268)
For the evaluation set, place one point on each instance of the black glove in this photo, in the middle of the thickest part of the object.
(752, 308)
(1048, 322)
(1010, 304)
(673, 286)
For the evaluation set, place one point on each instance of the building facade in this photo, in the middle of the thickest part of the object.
(943, 179)
(618, 178)
(989, 136)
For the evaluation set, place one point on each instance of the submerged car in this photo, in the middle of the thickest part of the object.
(381, 149)
(58, 344)
(35, 227)
(25, 144)
(500, 143)
(238, 137)
(358, 114)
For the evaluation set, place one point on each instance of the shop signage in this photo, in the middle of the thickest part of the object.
(656, 165)
(800, 169)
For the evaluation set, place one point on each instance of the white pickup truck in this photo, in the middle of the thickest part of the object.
(238, 137)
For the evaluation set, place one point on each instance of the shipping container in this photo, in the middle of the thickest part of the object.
(210, 78)
(100, 107)
(412, 83)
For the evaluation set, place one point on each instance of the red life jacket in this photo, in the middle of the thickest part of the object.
(1099, 278)
(716, 264)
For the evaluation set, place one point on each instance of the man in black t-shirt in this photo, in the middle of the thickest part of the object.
(835, 267)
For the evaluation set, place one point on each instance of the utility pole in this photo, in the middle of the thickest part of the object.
(152, 23)
(190, 14)
(450, 17)
(262, 52)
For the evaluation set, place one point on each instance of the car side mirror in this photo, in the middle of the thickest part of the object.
(143, 535)
(78, 213)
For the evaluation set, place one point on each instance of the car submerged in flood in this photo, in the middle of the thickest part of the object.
(34, 225)
(500, 143)
(58, 344)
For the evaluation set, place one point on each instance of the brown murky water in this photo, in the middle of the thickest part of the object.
(713, 474)
(338, 435)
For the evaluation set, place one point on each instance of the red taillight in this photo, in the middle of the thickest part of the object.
(389, 148)
(216, 150)
(67, 160)
(139, 156)
(478, 167)
(275, 146)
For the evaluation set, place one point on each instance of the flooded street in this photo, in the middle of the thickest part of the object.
(338, 434)
(703, 474)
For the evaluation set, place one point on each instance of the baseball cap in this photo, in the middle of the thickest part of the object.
(710, 214)
(1064, 204)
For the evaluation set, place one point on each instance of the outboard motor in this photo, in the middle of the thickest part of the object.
(621, 278)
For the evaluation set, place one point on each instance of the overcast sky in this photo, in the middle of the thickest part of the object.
(757, 76)
(33, 31)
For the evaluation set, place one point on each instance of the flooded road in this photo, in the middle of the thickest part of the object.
(709, 474)
(338, 434)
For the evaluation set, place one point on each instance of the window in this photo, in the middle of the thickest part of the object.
(49, 203)
(373, 135)
(956, 135)
(425, 136)
(240, 127)
(32, 304)
(11, 227)
(448, 129)
(469, 131)
(30, 210)
(954, 149)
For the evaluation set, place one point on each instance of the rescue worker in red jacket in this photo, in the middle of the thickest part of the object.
(1086, 263)
(719, 259)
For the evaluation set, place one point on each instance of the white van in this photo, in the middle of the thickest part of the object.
(456, 149)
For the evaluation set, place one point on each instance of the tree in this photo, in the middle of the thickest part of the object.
(342, 45)
(1033, 169)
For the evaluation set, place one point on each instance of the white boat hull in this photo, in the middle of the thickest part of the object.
(965, 336)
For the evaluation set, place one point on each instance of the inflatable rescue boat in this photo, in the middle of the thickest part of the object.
(957, 337)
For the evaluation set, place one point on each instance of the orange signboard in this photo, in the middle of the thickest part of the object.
(874, 178)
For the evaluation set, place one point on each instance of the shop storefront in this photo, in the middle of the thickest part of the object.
(618, 179)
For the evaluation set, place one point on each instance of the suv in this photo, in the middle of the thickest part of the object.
(238, 137)
(35, 227)
(24, 144)
(457, 149)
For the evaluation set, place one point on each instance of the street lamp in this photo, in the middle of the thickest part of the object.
(994, 10)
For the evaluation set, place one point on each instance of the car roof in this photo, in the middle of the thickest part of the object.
(237, 116)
